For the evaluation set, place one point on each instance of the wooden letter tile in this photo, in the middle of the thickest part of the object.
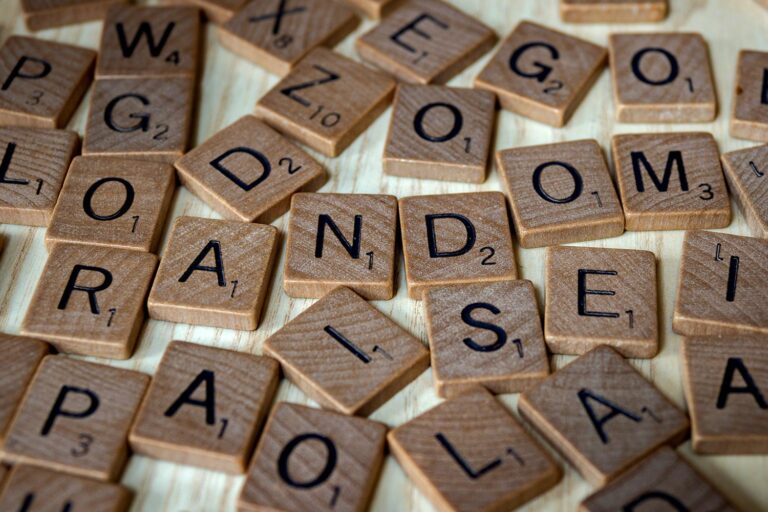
(613, 11)
(745, 171)
(341, 240)
(456, 239)
(249, 172)
(671, 181)
(426, 41)
(602, 415)
(75, 418)
(41, 14)
(326, 101)
(19, 358)
(113, 202)
(276, 34)
(726, 387)
(664, 481)
(214, 272)
(723, 287)
(310, 459)
(542, 73)
(42, 81)
(560, 193)
(40, 490)
(749, 118)
(662, 78)
(470, 454)
(346, 355)
(440, 133)
(205, 407)
(600, 296)
(146, 118)
(90, 300)
(485, 334)
(35, 163)
(149, 41)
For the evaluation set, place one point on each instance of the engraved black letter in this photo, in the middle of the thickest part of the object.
(212, 245)
(144, 30)
(127, 202)
(432, 238)
(655, 495)
(501, 335)
(57, 409)
(330, 461)
(418, 122)
(544, 70)
(583, 291)
(325, 220)
(16, 71)
(413, 27)
(90, 290)
(143, 118)
(471, 473)
(726, 387)
(674, 158)
(578, 183)
(585, 394)
(288, 91)
(674, 68)
(209, 402)
(6, 163)
(216, 163)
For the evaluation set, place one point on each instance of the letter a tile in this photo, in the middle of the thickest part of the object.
(346, 355)
(602, 415)
(469, 454)
(749, 118)
(75, 418)
(745, 171)
(19, 358)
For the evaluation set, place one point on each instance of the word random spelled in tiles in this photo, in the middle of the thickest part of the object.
(310, 458)
(602, 415)
(749, 119)
(19, 358)
(613, 11)
(745, 171)
(346, 355)
(41, 14)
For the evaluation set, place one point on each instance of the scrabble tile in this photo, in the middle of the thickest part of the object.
(113, 202)
(214, 427)
(597, 296)
(146, 118)
(670, 181)
(613, 11)
(375, 9)
(346, 355)
(326, 101)
(726, 387)
(749, 117)
(469, 453)
(217, 11)
(560, 193)
(276, 34)
(310, 458)
(541, 73)
(42, 14)
(341, 240)
(440, 133)
(214, 272)
(249, 172)
(19, 358)
(139, 41)
(36, 489)
(662, 78)
(486, 334)
(34, 163)
(745, 172)
(602, 415)
(455, 239)
(425, 41)
(663, 481)
(75, 418)
(90, 300)
(42, 81)
(723, 286)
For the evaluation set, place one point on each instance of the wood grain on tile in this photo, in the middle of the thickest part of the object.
(749, 115)
(42, 14)
(613, 11)
(19, 358)
(375, 9)
(216, 11)
(745, 170)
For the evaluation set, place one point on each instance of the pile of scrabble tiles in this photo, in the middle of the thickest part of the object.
(67, 425)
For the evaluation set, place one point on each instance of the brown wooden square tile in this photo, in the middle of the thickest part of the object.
(613, 11)
(598, 296)
(326, 101)
(346, 355)
(277, 34)
(726, 387)
(440, 133)
(205, 407)
(214, 272)
(341, 240)
(671, 181)
(560, 193)
(19, 358)
(43, 81)
(662, 78)
(90, 300)
(749, 117)
(75, 418)
(375, 9)
(35, 161)
(41, 14)
(146, 118)
(723, 286)
(602, 415)
(456, 239)
(249, 172)
(425, 41)
(309, 459)
(469, 453)
(745, 170)
(113, 202)
(541, 73)
(216, 11)
(486, 334)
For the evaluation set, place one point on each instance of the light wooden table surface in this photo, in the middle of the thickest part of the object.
(229, 88)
